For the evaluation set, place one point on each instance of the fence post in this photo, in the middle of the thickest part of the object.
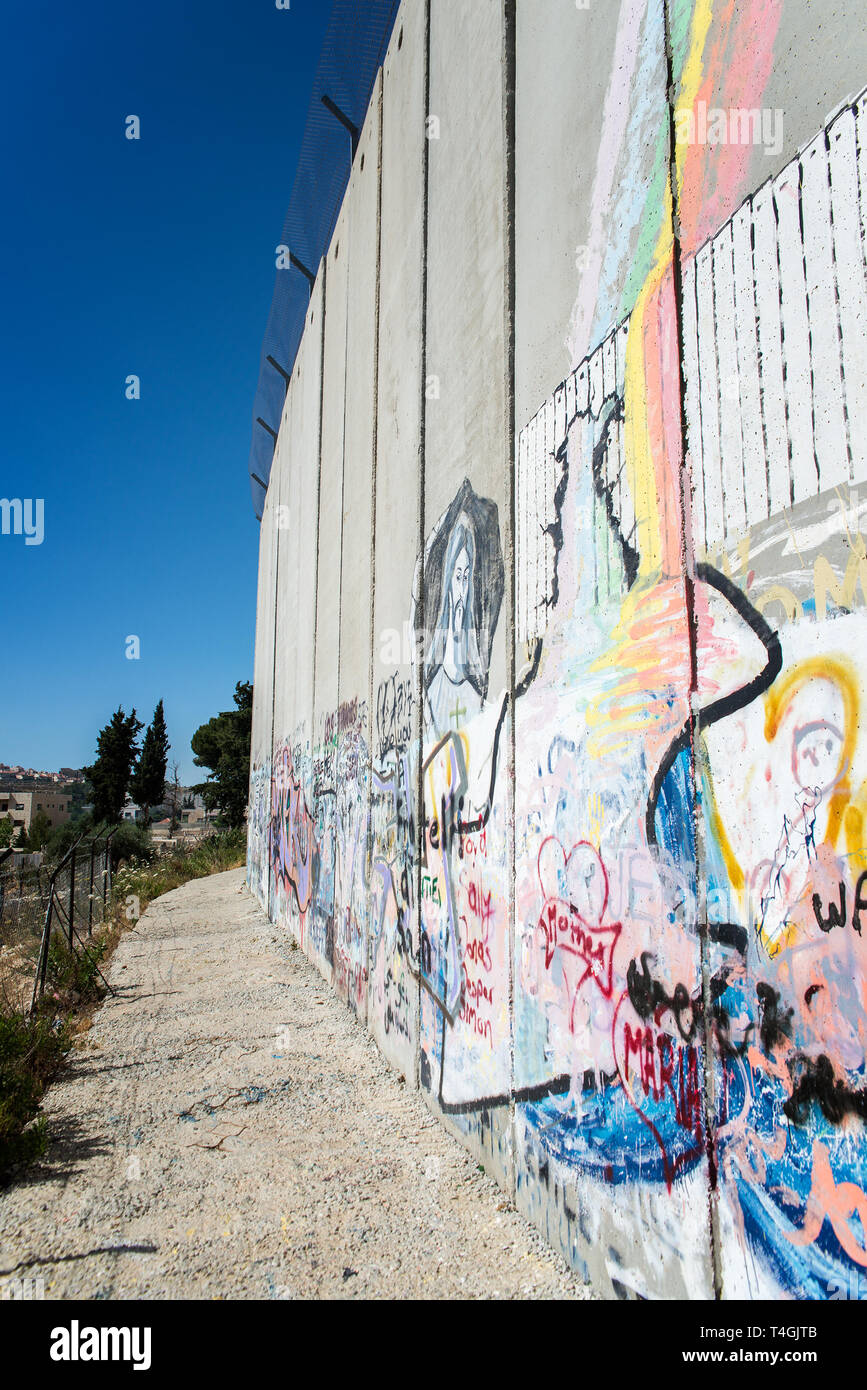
(108, 859)
(42, 963)
(71, 897)
(42, 969)
(90, 895)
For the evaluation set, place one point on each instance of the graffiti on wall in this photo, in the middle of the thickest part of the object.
(294, 852)
(690, 820)
(668, 1002)
(258, 814)
(439, 928)
(352, 877)
(318, 847)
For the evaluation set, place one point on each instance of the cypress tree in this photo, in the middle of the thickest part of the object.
(109, 775)
(149, 778)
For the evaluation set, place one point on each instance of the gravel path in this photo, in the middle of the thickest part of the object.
(226, 1129)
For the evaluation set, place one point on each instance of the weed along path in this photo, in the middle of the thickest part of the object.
(227, 1129)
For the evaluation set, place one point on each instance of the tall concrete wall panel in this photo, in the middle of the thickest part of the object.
(324, 910)
(463, 897)
(558, 126)
(293, 845)
(587, 752)
(599, 621)
(776, 430)
(283, 493)
(263, 694)
(393, 988)
(351, 937)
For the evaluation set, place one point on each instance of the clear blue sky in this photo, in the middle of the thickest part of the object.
(153, 257)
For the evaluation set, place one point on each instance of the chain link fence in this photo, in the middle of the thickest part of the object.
(48, 914)
(23, 899)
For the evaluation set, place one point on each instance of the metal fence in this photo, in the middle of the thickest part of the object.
(46, 911)
(354, 47)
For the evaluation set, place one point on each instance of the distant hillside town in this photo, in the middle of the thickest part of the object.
(61, 796)
(16, 773)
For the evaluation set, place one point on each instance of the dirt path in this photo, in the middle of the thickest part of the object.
(226, 1129)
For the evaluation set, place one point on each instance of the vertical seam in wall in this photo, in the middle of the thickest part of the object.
(509, 118)
(348, 236)
(273, 698)
(371, 632)
(343, 475)
(322, 316)
(319, 475)
(418, 656)
(688, 558)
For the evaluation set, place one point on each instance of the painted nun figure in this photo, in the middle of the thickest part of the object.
(454, 673)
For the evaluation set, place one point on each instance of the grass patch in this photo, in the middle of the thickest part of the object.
(72, 976)
(226, 849)
(31, 1054)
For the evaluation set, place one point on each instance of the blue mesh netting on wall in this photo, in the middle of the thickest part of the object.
(354, 48)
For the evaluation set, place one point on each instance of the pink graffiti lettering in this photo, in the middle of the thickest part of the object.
(573, 924)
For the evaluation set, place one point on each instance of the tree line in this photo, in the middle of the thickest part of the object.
(124, 766)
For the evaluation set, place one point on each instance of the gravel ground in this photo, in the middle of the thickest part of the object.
(227, 1130)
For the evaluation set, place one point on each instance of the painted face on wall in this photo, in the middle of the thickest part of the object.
(464, 579)
(459, 589)
(817, 753)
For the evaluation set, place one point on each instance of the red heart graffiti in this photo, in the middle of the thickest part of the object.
(575, 889)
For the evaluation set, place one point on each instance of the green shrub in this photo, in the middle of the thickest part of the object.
(128, 842)
(76, 971)
(31, 1053)
(225, 849)
(131, 842)
(62, 838)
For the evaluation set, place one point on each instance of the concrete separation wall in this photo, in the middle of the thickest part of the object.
(558, 771)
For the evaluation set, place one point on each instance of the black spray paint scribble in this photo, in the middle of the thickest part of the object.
(725, 705)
